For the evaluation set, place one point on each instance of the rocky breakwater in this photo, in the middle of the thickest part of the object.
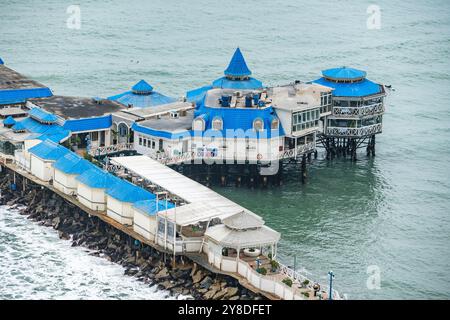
(186, 279)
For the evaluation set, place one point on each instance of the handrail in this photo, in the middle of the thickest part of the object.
(101, 151)
(361, 111)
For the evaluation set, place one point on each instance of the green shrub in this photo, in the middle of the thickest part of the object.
(306, 294)
(306, 282)
(287, 281)
(262, 271)
(275, 265)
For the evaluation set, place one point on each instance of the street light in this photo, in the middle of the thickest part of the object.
(331, 275)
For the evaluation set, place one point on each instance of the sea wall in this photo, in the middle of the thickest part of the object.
(148, 265)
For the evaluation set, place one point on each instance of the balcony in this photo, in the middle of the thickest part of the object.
(358, 112)
(354, 132)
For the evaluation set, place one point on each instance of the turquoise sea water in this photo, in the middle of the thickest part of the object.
(391, 211)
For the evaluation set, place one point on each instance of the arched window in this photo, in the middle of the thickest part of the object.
(123, 130)
(274, 124)
(199, 124)
(258, 125)
(217, 123)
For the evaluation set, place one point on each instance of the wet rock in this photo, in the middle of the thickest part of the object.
(206, 282)
(63, 235)
(198, 276)
(163, 274)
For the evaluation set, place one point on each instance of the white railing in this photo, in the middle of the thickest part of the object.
(354, 132)
(362, 111)
(300, 150)
(101, 151)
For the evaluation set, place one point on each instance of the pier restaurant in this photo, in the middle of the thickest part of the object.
(145, 212)
(142, 95)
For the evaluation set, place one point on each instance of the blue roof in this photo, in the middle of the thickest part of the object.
(19, 126)
(159, 133)
(71, 163)
(141, 100)
(97, 178)
(238, 66)
(142, 87)
(1, 61)
(125, 191)
(41, 115)
(250, 84)
(9, 121)
(149, 206)
(196, 95)
(240, 118)
(48, 150)
(42, 131)
(343, 73)
(21, 95)
(356, 89)
(88, 124)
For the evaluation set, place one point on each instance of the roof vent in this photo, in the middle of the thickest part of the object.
(174, 114)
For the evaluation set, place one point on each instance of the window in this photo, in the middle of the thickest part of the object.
(94, 136)
(153, 144)
(274, 124)
(199, 124)
(305, 120)
(145, 142)
(140, 141)
(217, 124)
(258, 125)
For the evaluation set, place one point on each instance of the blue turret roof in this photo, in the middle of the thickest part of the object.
(142, 87)
(9, 121)
(349, 82)
(343, 73)
(142, 96)
(149, 206)
(238, 66)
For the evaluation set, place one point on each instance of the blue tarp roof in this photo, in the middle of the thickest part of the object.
(53, 132)
(142, 87)
(343, 73)
(238, 66)
(97, 178)
(149, 206)
(125, 191)
(41, 115)
(21, 95)
(88, 124)
(356, 89)
(9, 121)
(71, 163)
(48, 150)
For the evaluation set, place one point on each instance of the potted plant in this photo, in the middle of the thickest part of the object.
(262, 270)
(287, 281)
(275, 265)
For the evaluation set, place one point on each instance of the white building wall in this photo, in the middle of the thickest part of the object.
(144, 224)
(120, 211)
(92, 198)
(66, 183)
(41, 169)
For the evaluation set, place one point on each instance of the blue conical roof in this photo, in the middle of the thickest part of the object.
(343, 73)
(142, 87)
(9, 121)
(237, 66)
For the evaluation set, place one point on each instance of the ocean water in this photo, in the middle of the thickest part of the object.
(389, 214)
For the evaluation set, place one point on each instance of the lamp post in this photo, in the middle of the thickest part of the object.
(331, 275)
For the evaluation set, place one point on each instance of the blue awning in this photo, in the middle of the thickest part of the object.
(88, 124)
(21, 95)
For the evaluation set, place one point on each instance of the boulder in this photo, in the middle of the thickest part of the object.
(198, 276)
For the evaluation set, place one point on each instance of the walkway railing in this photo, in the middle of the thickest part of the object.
(354, 132)
(103, 151)
(357, 112)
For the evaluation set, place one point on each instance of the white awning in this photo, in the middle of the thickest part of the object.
(203, 203)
